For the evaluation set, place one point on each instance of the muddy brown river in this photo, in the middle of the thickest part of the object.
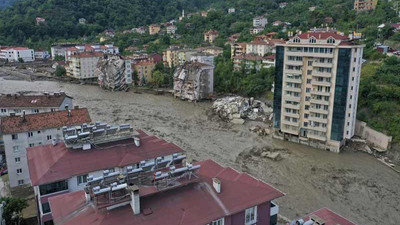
(353, 184)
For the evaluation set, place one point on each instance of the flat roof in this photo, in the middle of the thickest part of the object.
(50, 163)
(195, 204)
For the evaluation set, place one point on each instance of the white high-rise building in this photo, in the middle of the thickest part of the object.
(316, 89)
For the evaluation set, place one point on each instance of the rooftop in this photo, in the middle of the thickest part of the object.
(196, 203)
(88, 55)
(32, 101)
(329, 217)
(51, 163)
(42, 121)
(323, 35)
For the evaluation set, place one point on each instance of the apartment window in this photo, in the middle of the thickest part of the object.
(310, 63)
(312, 40)
(21, 182)
(35, 111)
(296, 40)
(305, 124)
(218, 222)
(308, 81)
(16, 149)
(46, 208)
(53, 187)
(355, 59)
(14, 136)
(309, 72)
(17, 110)
(17, 159)
(19, 171)
(331, 40)
(306, 116)
(354, 69)
(251, 215)
(325, 116)
(30, 134)
(308, 90)
(349, 106)
(48, 137)
(82, 179)
(39, 132)
(31, 145)
(3, 110)
(307, 107)
(325, 107)
(308, 98)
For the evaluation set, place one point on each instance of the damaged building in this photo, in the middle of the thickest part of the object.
(114, 73)
(194, 81)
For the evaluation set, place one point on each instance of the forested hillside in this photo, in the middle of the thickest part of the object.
(6, 3)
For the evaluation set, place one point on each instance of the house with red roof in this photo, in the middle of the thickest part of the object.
(263, 47)
(196, 194)
(323, 216)
(211, 35)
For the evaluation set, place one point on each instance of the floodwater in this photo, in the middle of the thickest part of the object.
(353, 184)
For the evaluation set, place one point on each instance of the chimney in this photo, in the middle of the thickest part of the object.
(66, 106)
(217, 184)
(54, 142)
(69, 113)
(76, 107)
(23, 116)
(135, 199)
(137, 141)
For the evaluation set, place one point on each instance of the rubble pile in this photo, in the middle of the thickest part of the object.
(261, 131)
(236, 109)
(110, 73)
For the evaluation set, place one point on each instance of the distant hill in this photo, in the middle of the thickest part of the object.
(5, 3)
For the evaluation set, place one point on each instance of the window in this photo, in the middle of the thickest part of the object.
(38, 132)
(17, 159)
(21, 182)
(31, 145)
(218, 222)
(30, 134)
(296, 40)
(308, 81)
(81, 179)
(309, 72)
(305, 124)
(19, 171)
(48, 137)
(53, 187)
(3, 110)
(46, 208)
(251, 215)
(310, 63)
(16, 149)
(312, 40)
(14, 136)
(35, 110)
(331, 40)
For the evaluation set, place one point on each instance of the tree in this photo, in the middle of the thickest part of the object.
(157, 78)
(13, 209)
(135, 77)
(21, 60)
(60, 71)
(59, 58)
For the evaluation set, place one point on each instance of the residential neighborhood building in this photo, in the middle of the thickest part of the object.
(263, 48)
(170, 56)
(26, 131)
(316, 89)
(205, 193)
(256, 30)
(233, 38)
(16, 104)
(250, 61)
(211, 35)
(145, 71)
(60, 49)
(204, 13)
(260, 21)
(154, 29)
(42, 54)
(109, 33)
(231, 10)
(283, 5)
(40, 20)
(171, 29)
(91, 48)
(194, 81)
(140, 30)
(82, 21)
(93, 153)
(16, 54)
(185, 55)
(204, 58)
(324, 216)
(238, 49)
(83, 65)
(365, 5)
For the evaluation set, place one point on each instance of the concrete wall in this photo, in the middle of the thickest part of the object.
(372, 136)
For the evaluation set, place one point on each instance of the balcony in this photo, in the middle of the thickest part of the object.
(294, 89)
(294, 71)
(292, 98)
(315, 110)
(291, 106)
(319, 64)
(321, 129)
(294, 63)
(321, 101)
(318, 119)
(294, 80)
(315, 92)
(296, 124)
(294, 115)
(316, 73)
(321, 83)
(316, 137)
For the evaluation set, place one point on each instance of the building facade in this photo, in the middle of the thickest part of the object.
(171, 29)
(211, 35)
(316, 89)
(145, 71)
(263, 48)
(83, 65)
(90, 48)
(16, 54)
(365, 5)
(27, 131)
(42, 54)
(154, 29)
(260, 21)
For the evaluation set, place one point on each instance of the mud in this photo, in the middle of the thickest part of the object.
(354, 184)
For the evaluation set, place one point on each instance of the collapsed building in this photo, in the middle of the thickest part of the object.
(194, 81)
(114, 73)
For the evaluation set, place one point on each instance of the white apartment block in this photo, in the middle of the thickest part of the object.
(260, 21)
(83, 65)
(262, 48)
(90, 48)
(171, 29)
(316, 89)
(42, 54)
(34, 130)
(14, 54)
(15, 104)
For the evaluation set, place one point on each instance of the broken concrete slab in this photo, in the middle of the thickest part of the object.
(238, 121)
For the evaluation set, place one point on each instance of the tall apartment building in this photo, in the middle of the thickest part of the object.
(262, 47)
(145, 71)
(77, 49)
(27, 131)
(14, 54)
(83, 65)
(316, 89)
(365, 5)
(260, 21)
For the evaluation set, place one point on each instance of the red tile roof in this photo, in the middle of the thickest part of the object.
(322, 35)
(50, 163)
(194, 204)
(330, 217)
(31, 101)
(88, 55)
(42, 121)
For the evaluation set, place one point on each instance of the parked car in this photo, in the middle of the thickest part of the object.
(3, 171)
